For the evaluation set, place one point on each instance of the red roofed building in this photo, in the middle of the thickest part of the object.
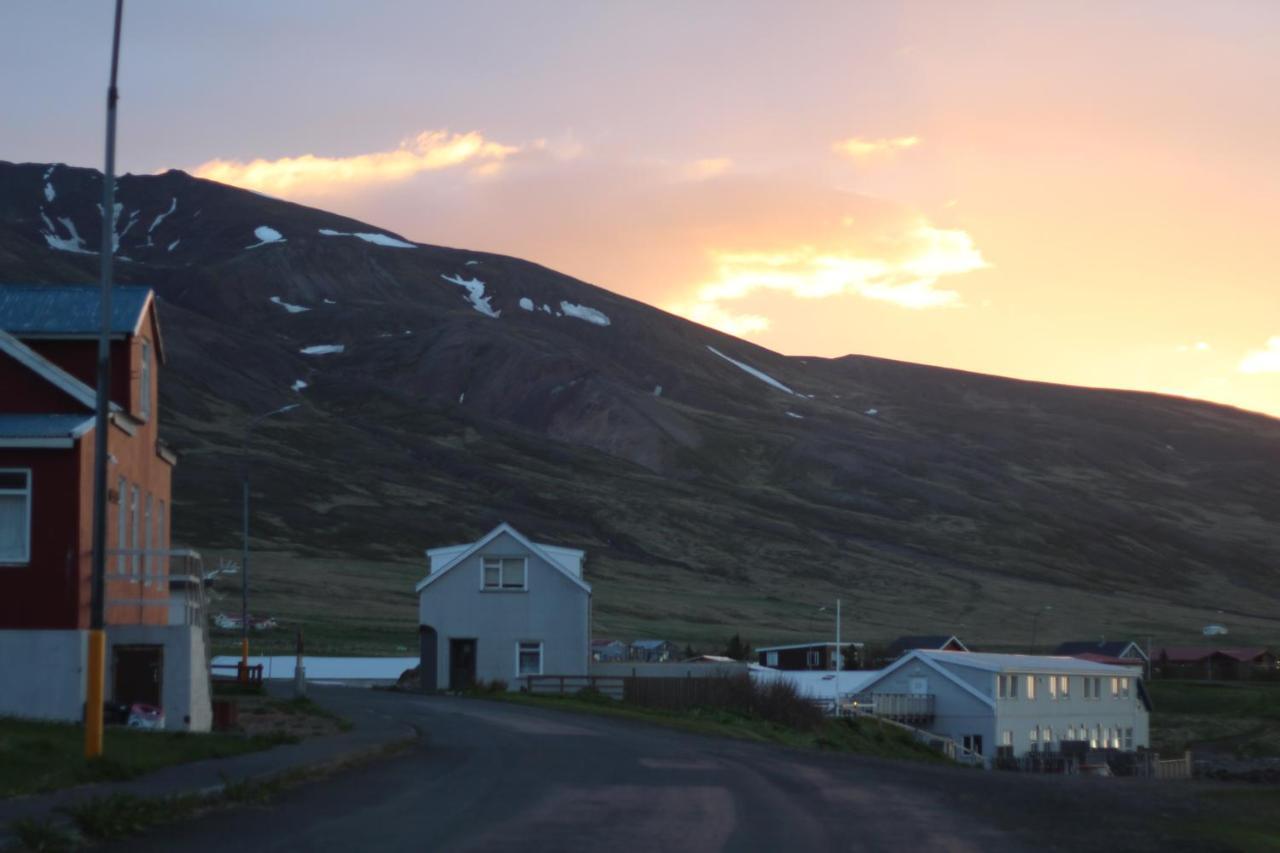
(1213, 663)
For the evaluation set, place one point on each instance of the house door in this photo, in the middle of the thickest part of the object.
(137, 674)
(462, 664)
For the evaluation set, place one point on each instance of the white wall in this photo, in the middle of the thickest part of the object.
(42, 674)
(1022, 715)
(184, 686)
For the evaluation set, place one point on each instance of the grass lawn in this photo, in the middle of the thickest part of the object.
(862, 736)
(1244, 819)
(39, 756)
(1239, 718)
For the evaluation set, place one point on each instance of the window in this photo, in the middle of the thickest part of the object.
(1128, 739)
(1071, 732)
(770, 658)
(1008, 686)
(1002, 686)
(1064, 686)
(1124, 688)
(1097, 687)
(1088, 688)
(148, 561)
(813, 659)
(122, 499)
(1048, 737)
(144, 384)
(504, 573)
(133, 529)
(1035, 734)
(15, 515)
(1053, 687)
(1031, 687)
(528, 658)
(1093, 737)
(1006, 737)
(1115, 687)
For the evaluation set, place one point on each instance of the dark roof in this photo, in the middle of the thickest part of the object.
(919, 641)
(68, 309)
(44, 426)
(1196, 654)
(1108, 648)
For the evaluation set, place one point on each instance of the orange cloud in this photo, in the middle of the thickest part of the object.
(903, 272)
(710, 167)
(862, 149)
(308, 174)
(1266, 360)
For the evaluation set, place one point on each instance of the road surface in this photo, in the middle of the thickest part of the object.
(489, 776)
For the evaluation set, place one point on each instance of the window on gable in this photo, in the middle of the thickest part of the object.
(505, 573)
(144, 389)
(529, 658)
(15, 515)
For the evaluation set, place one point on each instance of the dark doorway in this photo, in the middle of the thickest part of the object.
(462, 664)
(137, 674)
(428, 668)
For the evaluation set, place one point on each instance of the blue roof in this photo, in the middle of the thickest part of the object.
(68, 309)
(44, 426)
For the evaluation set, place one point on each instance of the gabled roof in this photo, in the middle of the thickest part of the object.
(1106, 648)
(927, 658)
(1195, 654)
(72, 310)
(924, 641)
(46, 369)
(533, 547)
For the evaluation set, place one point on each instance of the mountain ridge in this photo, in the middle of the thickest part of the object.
(708, 500)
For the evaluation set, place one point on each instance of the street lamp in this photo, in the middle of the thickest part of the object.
(244, 563)
(839, 654)
(1034, 624)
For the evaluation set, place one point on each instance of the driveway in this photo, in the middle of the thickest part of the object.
(492, 776)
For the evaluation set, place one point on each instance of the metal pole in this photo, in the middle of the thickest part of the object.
(839, 657)
(95, 671)
(244, 557)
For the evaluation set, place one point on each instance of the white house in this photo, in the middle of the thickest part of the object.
(1027, 702)
(502, 608)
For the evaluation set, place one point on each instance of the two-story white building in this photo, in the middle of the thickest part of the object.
(500, 609)
(1031, 703)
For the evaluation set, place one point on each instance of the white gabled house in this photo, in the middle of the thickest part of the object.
(502, 608)
(1030, 703)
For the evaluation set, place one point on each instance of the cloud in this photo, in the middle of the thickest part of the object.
(902, 269)
(858, 148)
(1198, 346)
(711, 167)
(1266, 360)
(429, 151)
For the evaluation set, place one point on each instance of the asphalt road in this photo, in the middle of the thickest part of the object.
(493, 777)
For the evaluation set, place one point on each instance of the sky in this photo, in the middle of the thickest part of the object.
(1077, 192)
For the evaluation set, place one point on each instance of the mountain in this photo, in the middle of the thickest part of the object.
(717, 486)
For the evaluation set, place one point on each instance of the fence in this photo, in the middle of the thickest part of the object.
(567, 685)
(1175, 768)
(905, 707)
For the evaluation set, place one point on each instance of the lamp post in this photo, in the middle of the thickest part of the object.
(244, 563)
(1035, 623)
(839, 654)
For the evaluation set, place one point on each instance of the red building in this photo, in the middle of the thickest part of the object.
(48, 366)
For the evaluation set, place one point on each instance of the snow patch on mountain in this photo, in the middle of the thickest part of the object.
(299, 384)
(471, 263)
(526, 303)
(475, 294)
(266, 234)
(376, 239)
(49, 194)
(292, 309)
(873, 412)
(73, 243)
(582, 312)
(173, 205)
(794, 415)
(174, 244)
(758, 374)
(323, 349)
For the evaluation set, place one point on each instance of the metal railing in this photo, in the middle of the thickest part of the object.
(168, 578)
(904, 707)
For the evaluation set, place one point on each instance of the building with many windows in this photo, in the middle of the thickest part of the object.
(1025, 703)
(48, 365)
(500, 609)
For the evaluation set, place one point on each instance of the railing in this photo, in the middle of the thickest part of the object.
(567, 685)
(1175, 768)
(142, 581)
(904, 707)
(237, 672)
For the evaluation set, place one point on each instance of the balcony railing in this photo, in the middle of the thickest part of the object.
(143, 582)
(902, 707)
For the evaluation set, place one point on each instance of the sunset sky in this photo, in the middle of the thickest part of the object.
(1080, 192)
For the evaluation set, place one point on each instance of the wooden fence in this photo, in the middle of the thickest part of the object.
(567, 685)
(1175, 768)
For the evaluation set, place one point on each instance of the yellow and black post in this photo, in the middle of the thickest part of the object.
(97, 663)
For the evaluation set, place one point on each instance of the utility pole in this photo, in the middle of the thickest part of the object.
(97, 663)
(839, 657)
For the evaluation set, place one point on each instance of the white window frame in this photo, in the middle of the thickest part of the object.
(1064, 686)
(502, 585)
(813, 658)
(1006, 737)
(1124, 687)
(23, 557)
(122, 501)
(133, 529)
(1031, 688)
(1128, 739)
(144, 381)
(1047, 737)
(520, 648)
(1053, 687)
